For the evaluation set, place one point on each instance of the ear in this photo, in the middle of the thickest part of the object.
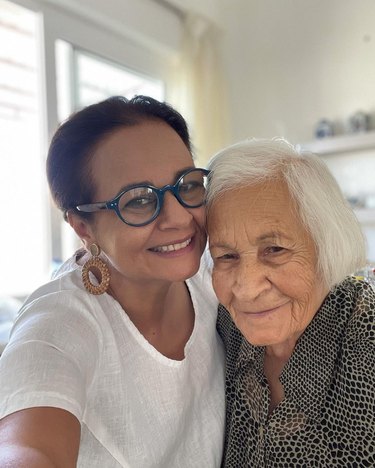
(82, 228)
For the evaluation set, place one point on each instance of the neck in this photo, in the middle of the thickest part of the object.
(162, 312)
(145, 301)
(281, 351)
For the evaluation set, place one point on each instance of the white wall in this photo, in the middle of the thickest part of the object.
(208, 8)
(145, 22)
(290, 63)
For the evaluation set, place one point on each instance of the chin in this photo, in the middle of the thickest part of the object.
(261, 339)
(185, 273)
(256, 341)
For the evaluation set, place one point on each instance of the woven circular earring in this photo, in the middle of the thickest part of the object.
(99, 269)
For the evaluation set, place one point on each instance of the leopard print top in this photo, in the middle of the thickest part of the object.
(327, 418)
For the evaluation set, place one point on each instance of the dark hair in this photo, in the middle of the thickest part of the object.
(68, 169)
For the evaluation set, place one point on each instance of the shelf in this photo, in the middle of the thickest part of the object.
(341, 143)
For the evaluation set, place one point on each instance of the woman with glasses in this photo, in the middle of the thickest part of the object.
(116, 361)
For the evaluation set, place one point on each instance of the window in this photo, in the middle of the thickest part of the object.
(24, 233)
(33, 236)
(84, 78)
(96, 79)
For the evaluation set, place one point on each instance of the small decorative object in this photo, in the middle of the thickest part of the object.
(356, 202)
(99, 269)
(324, 129)
(359, 122)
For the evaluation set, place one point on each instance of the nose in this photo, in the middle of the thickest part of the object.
(173, 214)
(250, 281)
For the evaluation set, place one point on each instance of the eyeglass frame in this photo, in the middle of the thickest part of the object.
(113, 204)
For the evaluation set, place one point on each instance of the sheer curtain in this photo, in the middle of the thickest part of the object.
(198, 86)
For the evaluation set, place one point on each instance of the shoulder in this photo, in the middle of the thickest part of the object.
(357, 362)
(361, 323)
(355, 366)
(69, 265)
(55, 349)
(65, 290)
(67, 277)
(61, 313)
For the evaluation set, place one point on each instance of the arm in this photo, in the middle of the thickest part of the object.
(45, 372)
(39, 438)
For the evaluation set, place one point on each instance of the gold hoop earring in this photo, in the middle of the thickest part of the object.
(99, 269)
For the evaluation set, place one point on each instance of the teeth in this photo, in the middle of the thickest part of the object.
(172, 247)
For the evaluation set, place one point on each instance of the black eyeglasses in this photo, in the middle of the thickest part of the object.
(141, 204)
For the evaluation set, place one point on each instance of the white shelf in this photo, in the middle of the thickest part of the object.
(341, 143)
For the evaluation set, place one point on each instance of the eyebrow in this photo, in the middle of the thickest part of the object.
(272, 235)
(178, 174)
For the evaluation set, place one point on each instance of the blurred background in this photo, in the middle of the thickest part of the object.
(304, 70)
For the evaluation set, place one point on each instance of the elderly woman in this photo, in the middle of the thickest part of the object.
(298, 329)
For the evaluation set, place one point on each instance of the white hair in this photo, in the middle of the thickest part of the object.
(322, 208)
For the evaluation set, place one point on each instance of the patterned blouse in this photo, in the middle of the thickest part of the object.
(327, 418)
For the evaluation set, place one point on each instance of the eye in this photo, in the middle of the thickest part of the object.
(273, 250)
(192, 184)
(190, 187)
(185, 187)
(227, 257)
(138, 200)
(138, 203)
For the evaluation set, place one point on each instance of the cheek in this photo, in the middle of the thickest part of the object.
(199, 215)
(121, 243)
(304, 285)
(307, 295)
(221, 287)
(297, 276)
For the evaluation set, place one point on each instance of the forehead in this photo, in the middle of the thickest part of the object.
(150, 151)
(253, 212)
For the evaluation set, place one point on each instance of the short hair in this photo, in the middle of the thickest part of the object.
(72, 146)
(322, 208)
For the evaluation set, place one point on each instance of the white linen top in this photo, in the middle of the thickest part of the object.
(137, 408)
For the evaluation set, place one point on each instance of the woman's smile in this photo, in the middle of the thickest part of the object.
(176, 247)
(265, 312)
(264, 263)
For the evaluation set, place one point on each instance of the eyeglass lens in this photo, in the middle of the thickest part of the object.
(139, 204)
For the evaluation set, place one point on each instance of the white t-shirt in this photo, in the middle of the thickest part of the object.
(137, 408)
